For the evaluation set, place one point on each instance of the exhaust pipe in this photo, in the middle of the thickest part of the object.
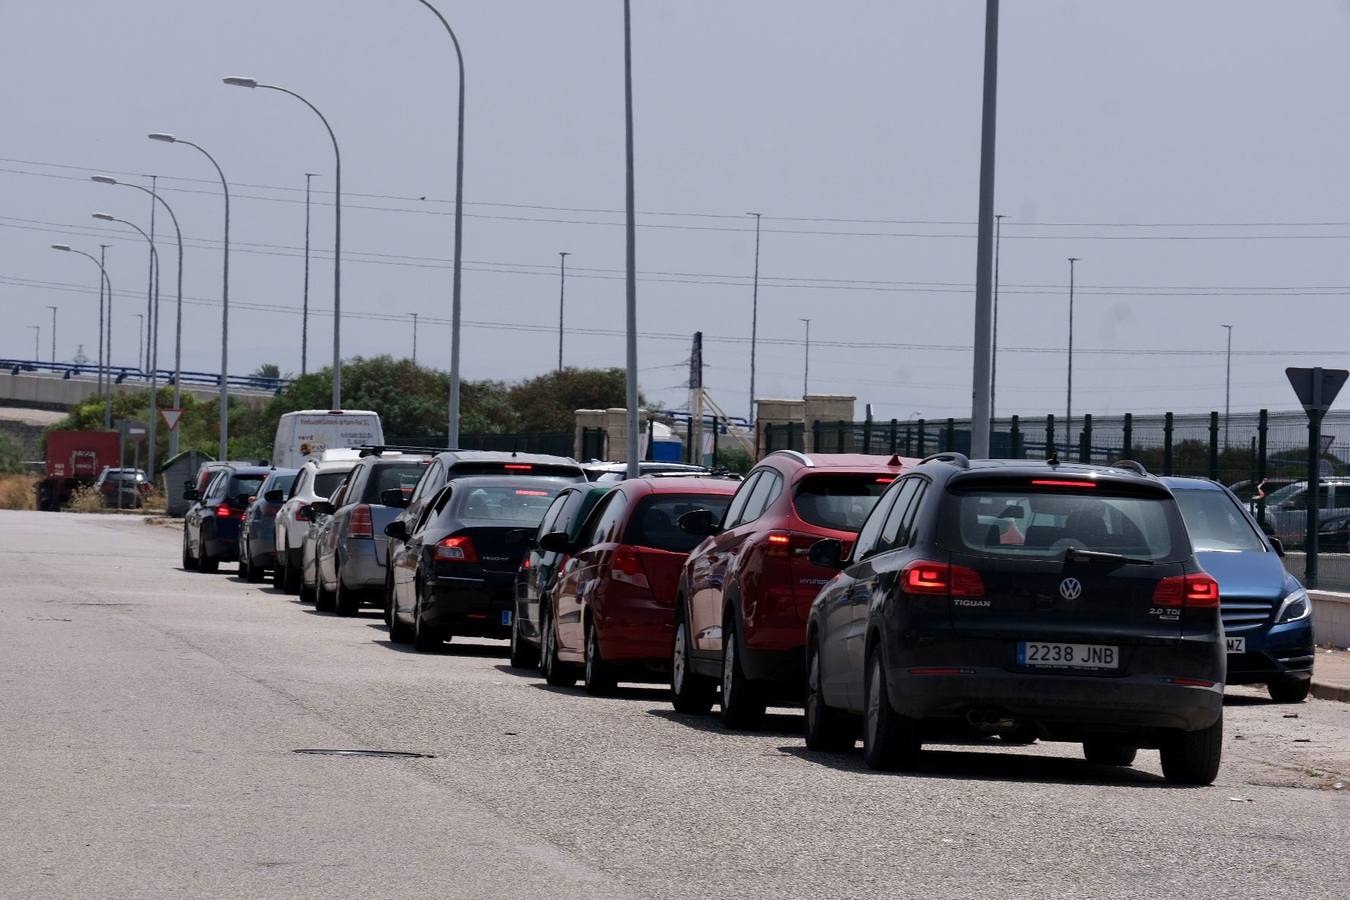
(988, 720)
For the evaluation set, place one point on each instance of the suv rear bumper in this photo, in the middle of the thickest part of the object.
(361, 568)
(470, 608)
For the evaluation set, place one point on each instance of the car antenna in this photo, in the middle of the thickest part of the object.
(895, 461)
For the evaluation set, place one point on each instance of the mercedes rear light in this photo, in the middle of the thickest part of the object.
(360, 525)
(1197, 591)
(457, 548)
(940, 579)
(626, 566)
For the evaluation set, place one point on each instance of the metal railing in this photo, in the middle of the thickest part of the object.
(124, 374)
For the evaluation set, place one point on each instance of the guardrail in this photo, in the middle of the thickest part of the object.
(123, 374)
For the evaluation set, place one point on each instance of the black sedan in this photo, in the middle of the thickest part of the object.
(211, 526)
(455, 571)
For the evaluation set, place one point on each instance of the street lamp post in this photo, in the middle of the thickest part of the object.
(53, 309)
(225, 296)
(304, 307)
(37, 342)
(151, 350)
(993, 344)
(104, 377)
(1068, 396)
(806, 367)
(982, 387)
(140, 338)
(337, 228)
(414, 337)
(1227, 385)
(452, 436)
(178, 326)
(562, 295)
(634, 469)
(754, 319)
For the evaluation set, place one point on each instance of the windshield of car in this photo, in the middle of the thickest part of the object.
(841, 502)
(1215, 522)
(123, 476)
(327, 482)
(655, 522)
(403, 476)
(1047, 523)
(504, 502)
(245, 484)
(280, 480)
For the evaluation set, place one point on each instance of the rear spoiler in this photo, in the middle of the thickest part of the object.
(378, 449)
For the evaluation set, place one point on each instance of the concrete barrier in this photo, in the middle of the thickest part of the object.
(1331, 618)
(35, 391)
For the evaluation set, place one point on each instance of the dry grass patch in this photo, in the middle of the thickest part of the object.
(86, 500)
(18, 492)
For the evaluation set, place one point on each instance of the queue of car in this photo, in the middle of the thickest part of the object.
(899, 601)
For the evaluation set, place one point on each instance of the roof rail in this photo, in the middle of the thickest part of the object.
(376, 449)
(960, 460)
(795, 454)
(1130, 465)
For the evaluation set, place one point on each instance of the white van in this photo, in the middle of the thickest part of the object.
(307, 433)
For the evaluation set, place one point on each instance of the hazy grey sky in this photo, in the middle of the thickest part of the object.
(852, 126)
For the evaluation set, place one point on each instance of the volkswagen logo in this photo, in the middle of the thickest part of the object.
(1070, 589)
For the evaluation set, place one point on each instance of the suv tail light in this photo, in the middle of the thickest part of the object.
(778, 543)
(625, 566)
(1197, 591)
(456, 549)
(359, 525)
(941, 579)
(225, 511)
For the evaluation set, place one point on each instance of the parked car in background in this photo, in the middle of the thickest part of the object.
(612, 614)
(349, 552)
(618, 471)
(320, 517)
(1252, 490)
(307, 434)
(1287, 508)
(539, 573)
(1005, 595)
(1267, 616)
(316, 480)
(448, 465)
(211, 526)
(455, 570)
(122, 488)
(746, 591)
(257, 534)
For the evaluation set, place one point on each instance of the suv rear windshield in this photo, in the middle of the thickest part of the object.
(403, 476)
(655, 522)
(504, 502)
(841, 502)
(1215, 522)
(546, 470)
(1040, 523)
(244, 484)
(325, 483)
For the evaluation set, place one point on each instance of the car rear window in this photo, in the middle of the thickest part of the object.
(245, 484)
(403, 476)
(1044, 523)
(841, 502)
(1215, 522)
(545, 470)
(655, 521)
(325, 483)
(505, 503)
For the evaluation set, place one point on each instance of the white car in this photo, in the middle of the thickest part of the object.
(317, 480)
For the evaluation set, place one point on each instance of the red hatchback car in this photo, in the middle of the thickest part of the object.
(612, 613)
(748, 586)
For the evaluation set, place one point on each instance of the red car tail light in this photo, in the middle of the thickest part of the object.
(518, 467)
(1054, 482)
(359, 525)
(778, 543)
(456, 549)
(1196, 591)
(940, 579)
(224, 511)
(626, 566)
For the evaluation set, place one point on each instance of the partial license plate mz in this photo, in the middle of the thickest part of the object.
(1043, 654)
(1237, 645)
(506, 617)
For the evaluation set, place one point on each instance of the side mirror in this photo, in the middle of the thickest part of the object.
(699, 522)
(398, 530)
(192, 495)
(275, 496)
(827, 554)
(556, 542)
(1278, 545)
(321, 508)
(394, 497)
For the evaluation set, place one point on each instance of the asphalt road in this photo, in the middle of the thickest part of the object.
(148, 718)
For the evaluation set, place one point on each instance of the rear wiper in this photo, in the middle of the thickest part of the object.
(1080, 555)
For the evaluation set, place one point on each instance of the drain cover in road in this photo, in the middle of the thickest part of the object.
(391, 754)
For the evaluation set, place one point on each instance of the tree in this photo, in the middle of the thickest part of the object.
(549, 402)
(267, 370)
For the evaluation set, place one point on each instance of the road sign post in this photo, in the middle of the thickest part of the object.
(1316, 389)
(171, 417)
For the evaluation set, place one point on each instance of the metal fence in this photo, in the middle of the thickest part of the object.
(555, 443)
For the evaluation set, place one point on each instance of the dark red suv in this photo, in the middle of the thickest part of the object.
(612, 610)
(746, 590)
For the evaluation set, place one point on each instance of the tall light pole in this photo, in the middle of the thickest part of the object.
(1227, 386)
(414, 337)
(993, 344)
(53, 309)
(562, 295)
(140, 338)
(151, 350)
(754, 319)
(37, 342)
(981, 401)
(336, 401)
(452, 435)
(304, 306)
(1068, 396)
(178, 325)
(104, 379)
(107, 351)
(806, 367)
(634, 469)
(224, 296)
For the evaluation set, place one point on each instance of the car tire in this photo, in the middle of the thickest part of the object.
(524, 655)
(598, 676)
(279, 570)
(252, 574)
(206, 564)
(188, 562)
(291, 580)
(1193, 757)
(389, 598)
(323, 600)
(742, 702)
(556, 672)
(828, 730)
(425, 638)
(398, 632)
(1023, 734)
(243, 561)
(345, 602)
(690, 693)
(1109, 753)
(1293, 690)
(891, 742)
